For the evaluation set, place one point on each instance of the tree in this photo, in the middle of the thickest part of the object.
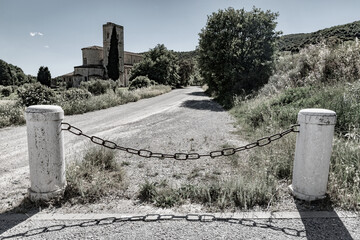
(160, 65)
(236, 51)
(113, 58)
(11, 75)
(186, 70)
(44, 76)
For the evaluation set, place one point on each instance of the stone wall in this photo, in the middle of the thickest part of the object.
(92, 55)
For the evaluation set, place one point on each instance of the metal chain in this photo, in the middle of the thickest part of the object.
(157, 218)
(180, 156)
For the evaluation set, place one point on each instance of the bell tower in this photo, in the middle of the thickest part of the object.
(107, 31)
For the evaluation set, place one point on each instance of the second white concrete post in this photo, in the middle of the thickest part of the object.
(46, 151)
(312, 153)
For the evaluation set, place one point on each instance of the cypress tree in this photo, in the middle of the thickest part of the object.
(44, 76)
(113, 58)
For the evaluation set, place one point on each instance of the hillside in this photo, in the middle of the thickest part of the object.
(340, 33)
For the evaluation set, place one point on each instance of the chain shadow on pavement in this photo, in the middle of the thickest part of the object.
(157, 218)
(322, 228)
(24, 210)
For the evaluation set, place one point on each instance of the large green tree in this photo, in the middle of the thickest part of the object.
(11, 75)
(44, 76)
(159, 64)
(113, 58)
(236, 51)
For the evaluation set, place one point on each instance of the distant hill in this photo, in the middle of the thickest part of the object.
(12, 75)
(295, 42)
(336, 34)
(187, 55)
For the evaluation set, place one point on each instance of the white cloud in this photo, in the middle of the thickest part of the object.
(46, 46)
(33, 34)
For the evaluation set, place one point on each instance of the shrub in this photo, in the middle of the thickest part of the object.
(75, 94)
(141, 82)
(6, 91)
(98, 87)
(231, 65)
(11, 114)
(34, 94)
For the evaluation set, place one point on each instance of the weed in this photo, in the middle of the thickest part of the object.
(125, 163)
(141, 165)
(160, 194)
(194, 173)
(96, 176)
(244, 192)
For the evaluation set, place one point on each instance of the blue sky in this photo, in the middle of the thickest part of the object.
(51, 33)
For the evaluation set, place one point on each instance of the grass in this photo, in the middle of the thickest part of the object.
(243, 192)
(111, 99)
(317, 77)
(12, 113)
(262, 115)
(96, 176)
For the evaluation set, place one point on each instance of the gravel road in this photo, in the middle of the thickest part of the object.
(184, 120)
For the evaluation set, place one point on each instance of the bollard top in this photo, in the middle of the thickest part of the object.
(43, 109)
(44, 113)
(317, 116)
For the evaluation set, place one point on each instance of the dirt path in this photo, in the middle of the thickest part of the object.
(184, 120)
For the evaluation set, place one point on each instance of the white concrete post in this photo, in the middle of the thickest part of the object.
(312, 153)
(46, 155)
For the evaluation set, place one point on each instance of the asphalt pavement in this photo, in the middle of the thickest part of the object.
(241, 225)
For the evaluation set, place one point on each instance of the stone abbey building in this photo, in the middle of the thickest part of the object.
(95, 60)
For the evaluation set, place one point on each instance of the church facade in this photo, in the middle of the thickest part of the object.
(95, 60)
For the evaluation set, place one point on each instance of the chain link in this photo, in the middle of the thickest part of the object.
(157, 218)
(180, 156)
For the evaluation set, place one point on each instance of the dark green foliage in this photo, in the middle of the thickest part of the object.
(186, 70)
(5, 91)
(98, 87)
(34, 94)
(236, 51)
(160, 65)
(333, 35)
(113, 59)
(44, 76)
(141, 82)
(185, 56)
(12, 75)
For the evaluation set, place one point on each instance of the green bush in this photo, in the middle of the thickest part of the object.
(11, 114)
(35, 94)
(6, 90)
(98, 87)
(141, 82)
(75, 94)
